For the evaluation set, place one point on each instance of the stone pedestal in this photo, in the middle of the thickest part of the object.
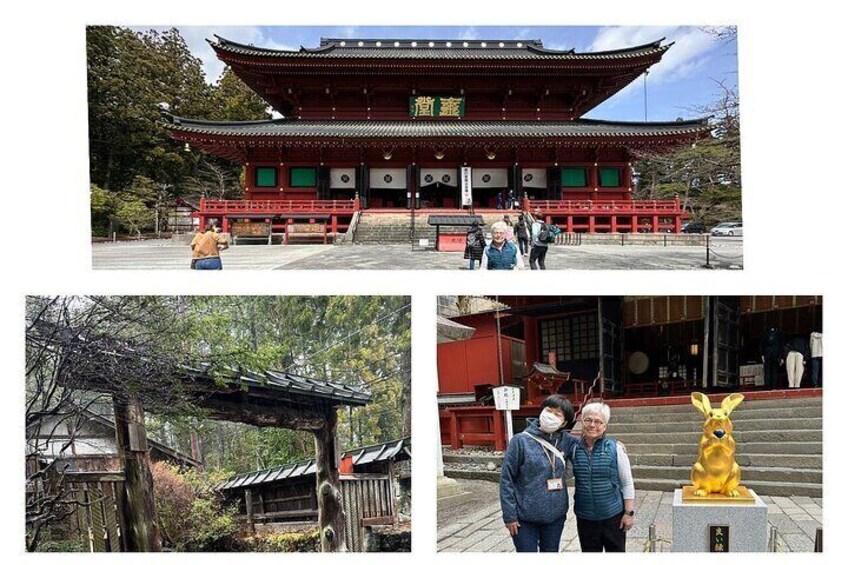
(747, 524)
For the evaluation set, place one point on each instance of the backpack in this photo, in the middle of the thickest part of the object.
(544, 233)
(471, 239)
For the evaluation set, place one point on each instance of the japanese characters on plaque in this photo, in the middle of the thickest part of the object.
(719, 539)
(436, 106)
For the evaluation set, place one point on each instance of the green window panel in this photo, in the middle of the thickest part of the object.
(610, 176)
(304, 176)
(266, 177)
(574, 176)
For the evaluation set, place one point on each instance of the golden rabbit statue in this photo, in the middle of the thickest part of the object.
(716, 470)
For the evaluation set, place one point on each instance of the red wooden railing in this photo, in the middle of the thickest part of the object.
(213, 207)
(603, 206)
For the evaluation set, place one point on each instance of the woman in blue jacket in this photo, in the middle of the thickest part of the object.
(534, 499)
(604, 495)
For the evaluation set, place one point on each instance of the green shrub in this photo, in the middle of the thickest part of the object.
(287, 542)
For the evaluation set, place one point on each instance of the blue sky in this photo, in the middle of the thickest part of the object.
(683, 80)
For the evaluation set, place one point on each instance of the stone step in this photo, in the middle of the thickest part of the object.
(776, 448)
(619, 416)
(770, 460)
(773, 474)
(473, 474)
(798, 402)
(661, 425)
(481, 460)
(631, 438)
(763, 488)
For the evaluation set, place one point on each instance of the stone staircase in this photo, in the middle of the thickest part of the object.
(778, 444)
(391, 227)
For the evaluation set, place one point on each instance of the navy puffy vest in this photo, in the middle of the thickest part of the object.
(597, 489)
(503, 259)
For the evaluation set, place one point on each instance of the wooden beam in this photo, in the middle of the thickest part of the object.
(248, 505)
(139, 520)
(331, 521)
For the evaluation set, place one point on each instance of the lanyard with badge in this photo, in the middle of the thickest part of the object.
(552, 454)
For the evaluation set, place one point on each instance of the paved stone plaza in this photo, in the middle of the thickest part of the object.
(163, 255)
(476, 525)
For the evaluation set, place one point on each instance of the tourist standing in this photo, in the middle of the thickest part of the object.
(604, 493)
(534, 498)
(522, 234)
(475, 242)
(510, 233)
(816, 354)
(206, 247)
(501, 254)
(539, 242)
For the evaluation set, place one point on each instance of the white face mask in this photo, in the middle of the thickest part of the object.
(549, 422)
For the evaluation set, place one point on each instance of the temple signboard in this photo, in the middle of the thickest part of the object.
(436, 106)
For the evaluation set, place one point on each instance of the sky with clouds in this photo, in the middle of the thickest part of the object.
(685, 79)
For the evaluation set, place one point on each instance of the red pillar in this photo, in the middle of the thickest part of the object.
(655, 224)
(334, 223)
(677, 223)
(591, 223)
(454, 431)
(570, 224)
(225, 224)
(613, 223)
(500, 432)
(634, 224)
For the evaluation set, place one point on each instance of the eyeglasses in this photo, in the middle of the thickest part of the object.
(593, 422)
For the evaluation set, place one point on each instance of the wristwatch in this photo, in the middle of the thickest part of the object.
(631, 513)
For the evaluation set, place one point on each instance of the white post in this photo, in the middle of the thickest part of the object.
(508, 416)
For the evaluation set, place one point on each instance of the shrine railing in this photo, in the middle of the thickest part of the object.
(223, 207)
(604, 206)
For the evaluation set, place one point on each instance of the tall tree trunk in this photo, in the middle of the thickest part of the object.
(331, 521)
(140, 524)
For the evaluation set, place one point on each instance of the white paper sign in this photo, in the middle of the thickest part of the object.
(507, 397)
(466, 186)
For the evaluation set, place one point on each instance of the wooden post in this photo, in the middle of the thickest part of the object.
(331, 522)
(248, 505)
(141, 526)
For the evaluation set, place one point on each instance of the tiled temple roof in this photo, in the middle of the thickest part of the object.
(448, 49)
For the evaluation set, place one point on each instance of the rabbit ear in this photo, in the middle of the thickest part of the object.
(701, 402)
(731, 402)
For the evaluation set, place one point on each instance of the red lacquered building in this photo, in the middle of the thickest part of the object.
(374, 126)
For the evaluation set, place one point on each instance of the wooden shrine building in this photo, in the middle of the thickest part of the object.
(266, 398)
(629, 350)
(375, 125)
(374, 480)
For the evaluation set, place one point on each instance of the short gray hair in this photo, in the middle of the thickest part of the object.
(499, 225)
(598, 409)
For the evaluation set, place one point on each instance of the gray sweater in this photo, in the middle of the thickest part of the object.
(526, 469)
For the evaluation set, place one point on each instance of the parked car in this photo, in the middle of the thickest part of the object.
(727, 228)
(692, 227)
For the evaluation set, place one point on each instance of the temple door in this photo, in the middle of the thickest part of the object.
(610, 340)
(725, 341)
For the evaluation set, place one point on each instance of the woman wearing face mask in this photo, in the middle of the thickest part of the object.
(534, 499)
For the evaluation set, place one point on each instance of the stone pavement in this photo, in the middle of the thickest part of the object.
(162, 255)
(477, 525)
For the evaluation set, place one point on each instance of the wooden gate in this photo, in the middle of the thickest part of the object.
(368, 500)
(97, 516)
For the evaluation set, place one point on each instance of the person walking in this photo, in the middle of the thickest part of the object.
(206, 247)
(522, 235)
(539, 242)
(533, 494)
(501, 254)
(510, 231)
(475, 242)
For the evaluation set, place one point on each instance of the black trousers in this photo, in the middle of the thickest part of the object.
(770, 367)
(538, 254)
(601, 535)
(523, 244)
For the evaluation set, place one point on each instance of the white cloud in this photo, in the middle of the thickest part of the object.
(688, 54)
(349, 31)
(469, 33)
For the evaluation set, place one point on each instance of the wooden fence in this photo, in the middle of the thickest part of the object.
(368, 500)
(96, 519)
